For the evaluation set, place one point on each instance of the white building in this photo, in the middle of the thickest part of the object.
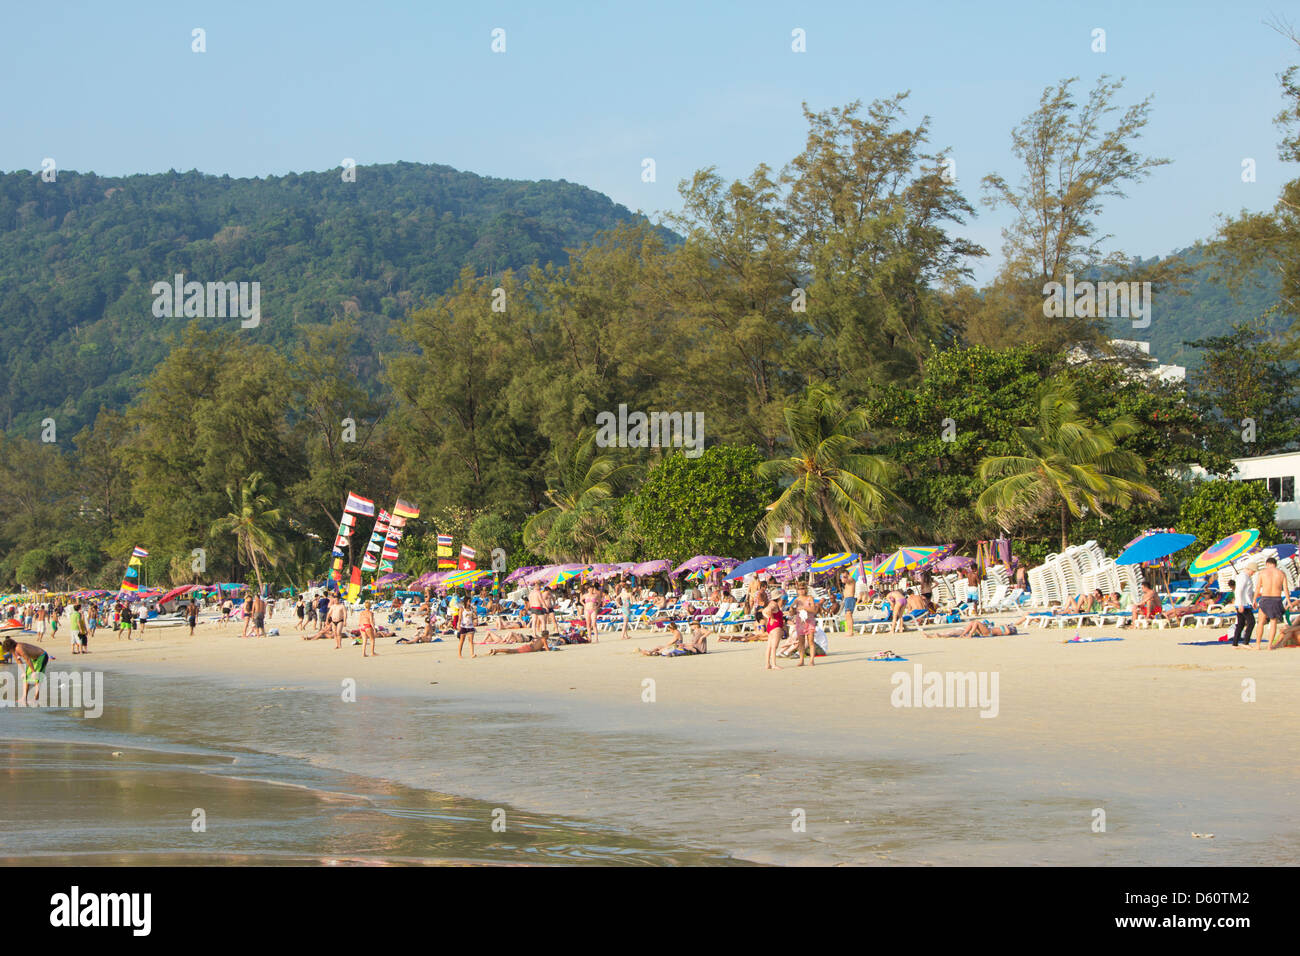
(1279, 472)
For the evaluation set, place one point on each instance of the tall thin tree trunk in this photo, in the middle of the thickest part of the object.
(1065, 526)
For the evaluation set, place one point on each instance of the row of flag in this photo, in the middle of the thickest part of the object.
(381, 550)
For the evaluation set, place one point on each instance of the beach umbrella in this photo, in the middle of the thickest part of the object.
(834, 561)
(1285, 550)
(954, 562)
(652, 567)
(702, 562)
(791, 566)
(1224, 551)
(905, 559)
(389, 579)
(518, 573)
(1154, 546)
(752, 565)
(564, 574)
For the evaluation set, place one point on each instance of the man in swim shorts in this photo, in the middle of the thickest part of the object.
(1270, 585)
(536, 644)
(34, 659)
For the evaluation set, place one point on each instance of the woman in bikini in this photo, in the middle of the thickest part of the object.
(367, 625)
(774, 621)
(980, 629)
(592, 599)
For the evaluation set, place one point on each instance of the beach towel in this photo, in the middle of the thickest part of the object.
(884, 656)
(1091, 640)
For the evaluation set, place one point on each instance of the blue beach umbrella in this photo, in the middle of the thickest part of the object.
(752, 565)
(1153, 547)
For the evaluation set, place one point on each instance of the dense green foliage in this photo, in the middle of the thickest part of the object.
(1217, 509)
(705, 505)
(79, 256)
(453, 339)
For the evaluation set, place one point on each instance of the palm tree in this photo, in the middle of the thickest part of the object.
(583, 489)
(1068, 463)
(833, 480)
(253, 522)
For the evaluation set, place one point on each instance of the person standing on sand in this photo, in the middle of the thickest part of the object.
(41, 622)
(624, 599)
(774, 621)
(367, 624)
(34, 659)
(548, 601)
(1270, 583)
(465, 629)
(77, 625)
(338, 620)
(898, 607)
(536, 609)
(259, 616)
(592, 599)
(1243, 597)
(192, 616)
(805, 625)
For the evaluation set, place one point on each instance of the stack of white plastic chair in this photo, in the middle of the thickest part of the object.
(996, 583)
(1042, 587)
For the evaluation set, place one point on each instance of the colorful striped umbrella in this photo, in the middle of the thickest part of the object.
(463, 577)
(564, 574)
(904, 559)
(1223, 552)
(834, 561)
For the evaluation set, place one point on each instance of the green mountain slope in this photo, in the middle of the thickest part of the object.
(78, 258)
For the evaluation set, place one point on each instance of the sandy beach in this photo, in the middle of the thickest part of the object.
(805, 765)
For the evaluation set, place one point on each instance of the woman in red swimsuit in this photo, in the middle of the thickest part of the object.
(774, 618)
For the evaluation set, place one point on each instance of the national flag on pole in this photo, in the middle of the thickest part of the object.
(385, 565)
(373, 546)
(466, 564)
(467, 552)
(405, 509)
(337, 552)
(358, 505)
(444, 541)
(349, 520)
(368, 563)
(397, 521)
(390, 553)
(446, 562)
(139, 553)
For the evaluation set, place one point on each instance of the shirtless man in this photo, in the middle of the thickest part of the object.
(259, 616)
(338, 619)
(548, 601)
(33, 659)
(536, 609)
(367, 624)
(1270, 585)
(898, 607)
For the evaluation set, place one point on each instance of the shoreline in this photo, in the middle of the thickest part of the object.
(1157, 731)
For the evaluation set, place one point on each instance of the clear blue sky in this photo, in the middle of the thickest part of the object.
(585, 91)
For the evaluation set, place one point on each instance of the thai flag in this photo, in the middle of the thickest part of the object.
(467, 552)
(358, 505)
(444, 541)
(139, 553)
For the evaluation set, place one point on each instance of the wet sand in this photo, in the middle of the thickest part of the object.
(805, 765)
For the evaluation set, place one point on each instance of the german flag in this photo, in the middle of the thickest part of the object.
(404, 509)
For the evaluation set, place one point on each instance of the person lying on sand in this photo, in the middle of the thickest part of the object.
(495, 637)
(538, 643)
(980, 629)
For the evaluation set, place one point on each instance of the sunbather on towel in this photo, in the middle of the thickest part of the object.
(538, 643)
(673, 644)
(495, 637)
(980, 629)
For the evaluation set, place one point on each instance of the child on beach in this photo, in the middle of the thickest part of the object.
(34, 659)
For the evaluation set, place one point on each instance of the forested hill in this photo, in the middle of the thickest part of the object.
(1207, 309)
(78, 258)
